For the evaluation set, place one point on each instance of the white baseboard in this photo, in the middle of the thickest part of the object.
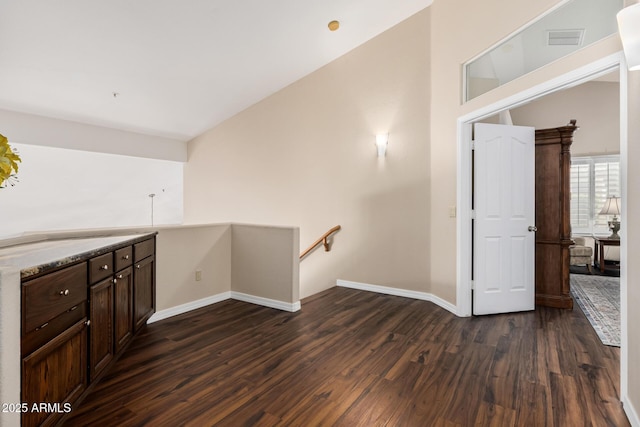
(272, 303)
(631, 412)
(184, 308)
(425, 296)
(194, 305)
(293, 307)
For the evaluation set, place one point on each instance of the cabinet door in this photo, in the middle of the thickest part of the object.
(123, 321)
(143, 291)
(101, 327)
(43, 381)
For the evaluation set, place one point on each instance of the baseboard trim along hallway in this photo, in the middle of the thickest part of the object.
(194, 305)
(424, 296)
(293, 307)
(185, 308)
(266, 302)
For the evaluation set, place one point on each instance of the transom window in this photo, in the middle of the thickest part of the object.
(558, 33)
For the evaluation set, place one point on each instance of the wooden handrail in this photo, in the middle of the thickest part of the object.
(323, 239)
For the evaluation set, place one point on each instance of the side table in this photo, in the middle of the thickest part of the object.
(601, 242)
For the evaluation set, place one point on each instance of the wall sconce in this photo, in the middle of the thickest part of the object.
(629, 29)
(381, 142)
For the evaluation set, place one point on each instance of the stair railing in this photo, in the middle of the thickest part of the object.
(324, 239)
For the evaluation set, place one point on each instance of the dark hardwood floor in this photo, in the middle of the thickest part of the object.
(354, 358)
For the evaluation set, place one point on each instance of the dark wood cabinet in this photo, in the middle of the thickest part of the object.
(143, 291)
(101, 307)
(123, 315)
(553, 238)
(56, 374)
(54, 340)
(77, 320)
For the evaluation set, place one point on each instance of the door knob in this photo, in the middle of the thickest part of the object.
(533, 228)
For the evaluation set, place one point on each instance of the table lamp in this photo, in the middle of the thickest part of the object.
(612, 207)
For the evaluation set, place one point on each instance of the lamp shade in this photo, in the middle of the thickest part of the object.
(611, 206)
(629, 29)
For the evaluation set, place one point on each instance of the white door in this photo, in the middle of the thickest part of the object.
(504, 229)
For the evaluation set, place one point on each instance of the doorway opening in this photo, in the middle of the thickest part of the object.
(464, 181)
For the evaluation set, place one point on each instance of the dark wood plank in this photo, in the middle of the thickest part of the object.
(353, 358)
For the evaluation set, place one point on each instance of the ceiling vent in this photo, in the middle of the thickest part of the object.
(565, 37)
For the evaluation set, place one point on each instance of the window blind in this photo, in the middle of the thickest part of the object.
(592, 180)
(580, 196)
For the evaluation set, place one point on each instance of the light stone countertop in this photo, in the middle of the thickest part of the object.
(37, 257)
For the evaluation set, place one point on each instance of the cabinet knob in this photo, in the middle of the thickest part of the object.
(119, 276)
(64, 292)
(88, 322)
(125, 257)
(42, 326)
(138, 266)
(104, 267)
(115, 281)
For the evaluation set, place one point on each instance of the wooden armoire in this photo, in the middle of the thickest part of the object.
(553, 237)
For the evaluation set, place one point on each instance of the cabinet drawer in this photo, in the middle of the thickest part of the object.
(54, 327)
(144, 249)
(48, 296)
(100, 267)
(123, 258)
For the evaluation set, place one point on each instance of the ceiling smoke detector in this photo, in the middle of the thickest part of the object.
(565, 37)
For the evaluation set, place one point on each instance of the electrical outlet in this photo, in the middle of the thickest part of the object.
(198, 275)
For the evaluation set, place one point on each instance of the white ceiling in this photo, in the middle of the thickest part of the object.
(179, 66)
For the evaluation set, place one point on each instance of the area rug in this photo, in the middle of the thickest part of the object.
(599, 299)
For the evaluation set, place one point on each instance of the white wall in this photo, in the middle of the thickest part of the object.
(70, 189)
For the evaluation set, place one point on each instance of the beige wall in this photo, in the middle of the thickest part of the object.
(596, 107)
(306, 156)
(264, 262)
(259, 261)
(183, 250)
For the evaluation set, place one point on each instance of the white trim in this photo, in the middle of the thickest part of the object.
(187, 307)
(425, 296)
(464, 221)
(271, 303)
(463, 239)
(624, 259)
(194, 305)
(631, 412)
(573, 78)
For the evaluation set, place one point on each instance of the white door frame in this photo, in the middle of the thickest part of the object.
(464, 188)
